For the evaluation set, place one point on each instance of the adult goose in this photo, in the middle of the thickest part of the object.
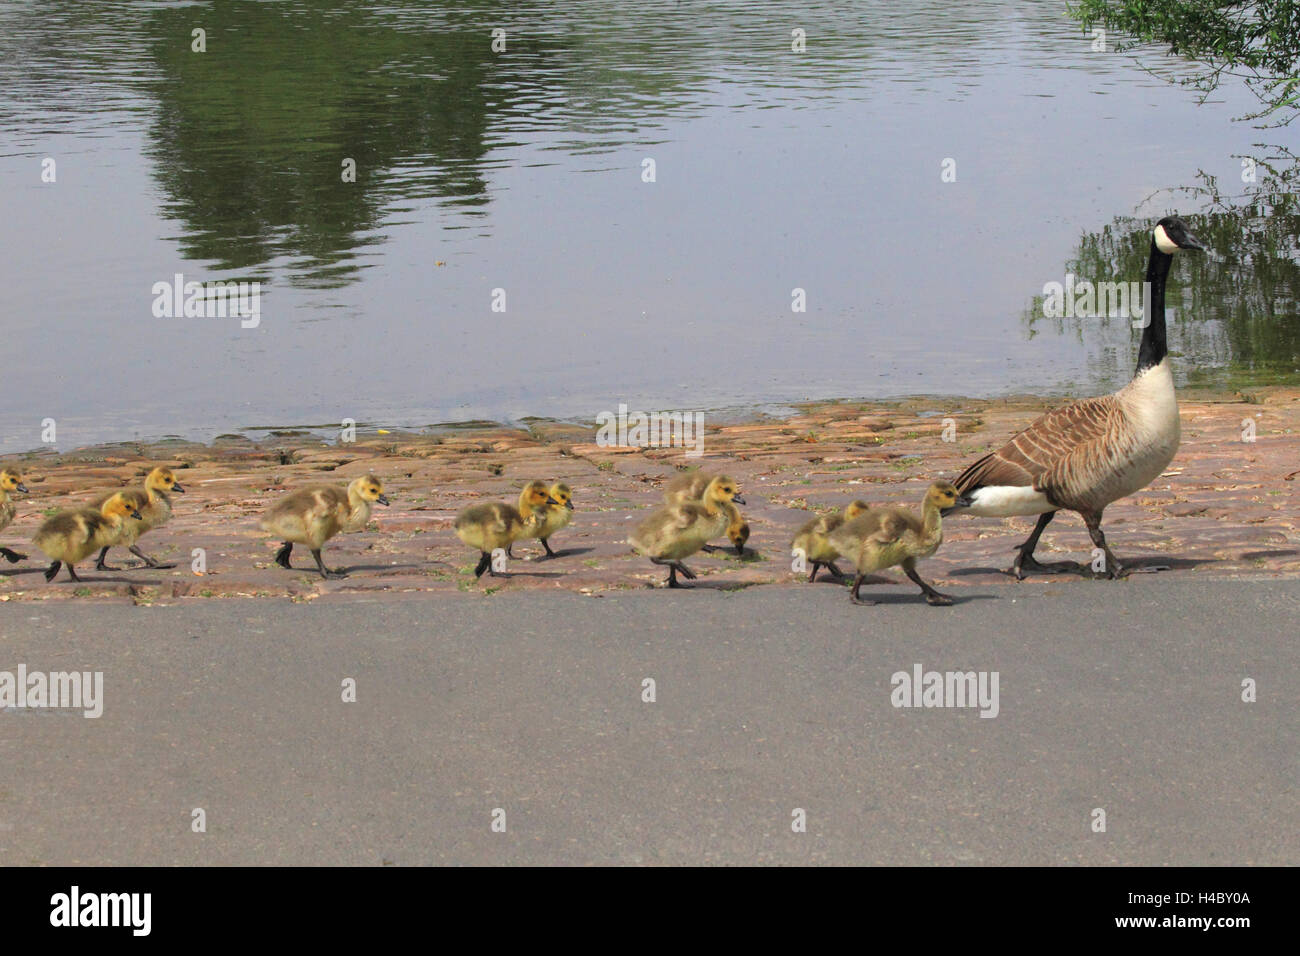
(1088, 454)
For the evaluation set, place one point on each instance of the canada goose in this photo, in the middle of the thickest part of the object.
(811, 539)
(314, 514)
(690, 487)
(10, 480)
(677, 531)
(1093, 452)
(496, 524)
(157, 511)
(70, 535)
(556, 514)
(882, 537)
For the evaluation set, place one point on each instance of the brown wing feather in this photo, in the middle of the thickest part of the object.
(1026, 460)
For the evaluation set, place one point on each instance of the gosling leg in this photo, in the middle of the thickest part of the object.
(13, 557)
(932, 597)
(282, 556)
(101, 564)
(52, 570)
(547, 545)
(135, 549)
(324, 571)
(854, 596)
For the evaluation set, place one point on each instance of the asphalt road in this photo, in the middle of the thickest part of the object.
(1124, 696)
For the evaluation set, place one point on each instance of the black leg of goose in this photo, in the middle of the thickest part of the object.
(282, 556)
(549, 553)
(72, 573)
(52, 570)
(484, 563)
(1113, 567)
(686, 572)
(812, 575)
(1025, 561)
(101, 564)
(839, 575)
(324, 571)
(135, 549)
(13, 557)
(932, 597)
(510, 550)
(854, 596)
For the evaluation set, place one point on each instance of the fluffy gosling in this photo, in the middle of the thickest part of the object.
(690, 487)
(157, 511)
(313, 515)
(883, 537)
(812, 539)
(71, 535)
(553, 517)
(11, 480)
(495, 524)
(677, 531)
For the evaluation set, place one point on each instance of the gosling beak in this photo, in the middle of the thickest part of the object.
(964, 501)
(136, 516)
(737, 499)
(740, 549)
(21, 487)
(178, 489)
(383, 499)
(551, 501)
(569, 504)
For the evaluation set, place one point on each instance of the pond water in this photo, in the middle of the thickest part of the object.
(920, 170)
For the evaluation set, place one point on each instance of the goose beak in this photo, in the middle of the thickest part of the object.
(1188, 241)
(551, 501)
(178, 489)
(383, 500)
(569, 504)
(21, 487)
(737, 499)
(136, 516)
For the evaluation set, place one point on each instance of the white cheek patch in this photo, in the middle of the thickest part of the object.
(1164, 243)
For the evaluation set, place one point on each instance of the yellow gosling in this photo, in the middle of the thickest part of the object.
(812, 539)
(11, 480)
(313, 515)
(157, 489)
(497, 525)
(690, 487)
(676, 531)
(71, 535)
(554, 516)
(887, 536)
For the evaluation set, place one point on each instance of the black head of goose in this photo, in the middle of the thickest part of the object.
(1085, 455)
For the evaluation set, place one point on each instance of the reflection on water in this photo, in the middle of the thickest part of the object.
(478, 169)
(1235, 310)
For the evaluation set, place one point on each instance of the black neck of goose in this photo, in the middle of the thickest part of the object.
(1153, 349)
